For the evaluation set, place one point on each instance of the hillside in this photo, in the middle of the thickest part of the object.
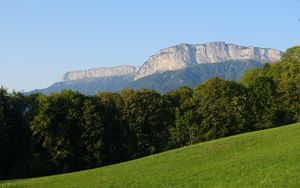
(194, 75)
(161, 82)
(89, 86)
(265, 158)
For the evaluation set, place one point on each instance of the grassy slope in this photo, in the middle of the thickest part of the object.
(259, 159)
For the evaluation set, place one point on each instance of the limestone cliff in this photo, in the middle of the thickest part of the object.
(184, 55)
(100, 72)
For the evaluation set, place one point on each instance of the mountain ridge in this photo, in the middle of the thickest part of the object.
(182, 56)
(160, 81)
(99, 72)
(172, 67)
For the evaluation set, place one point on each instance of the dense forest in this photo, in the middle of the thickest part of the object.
(67, 131)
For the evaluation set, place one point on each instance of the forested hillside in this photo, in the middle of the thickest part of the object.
(69, 131)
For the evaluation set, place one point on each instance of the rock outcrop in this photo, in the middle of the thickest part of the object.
(100, 72)
(184, 55)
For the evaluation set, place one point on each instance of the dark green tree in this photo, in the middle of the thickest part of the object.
(57, 128)
(262, 93)
(185, 130)
(146, 114)
(14, 135)
(92, 133)
(221, 105)
(117, 142)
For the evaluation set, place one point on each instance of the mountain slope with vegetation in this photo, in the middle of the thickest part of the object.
(161, 82)
(194, 75)
(90, 86)
(259, 159)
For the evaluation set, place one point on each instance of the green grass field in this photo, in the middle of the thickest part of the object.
(269, 158)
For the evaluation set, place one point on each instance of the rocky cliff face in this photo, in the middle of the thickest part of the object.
(184, 55)
(100, 72)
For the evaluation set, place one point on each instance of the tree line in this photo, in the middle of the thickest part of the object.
(67, 131)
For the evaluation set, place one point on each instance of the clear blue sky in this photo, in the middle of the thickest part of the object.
(40, 40)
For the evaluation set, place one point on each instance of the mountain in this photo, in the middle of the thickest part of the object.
(90, 86)
(170, 68)
(184, 55)
(194, 75)
(162, 81)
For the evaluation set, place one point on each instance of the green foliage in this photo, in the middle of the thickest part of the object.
(92, 134)
(221, 105)
(117, 141)
(186, 131)
(14, 138)
(57, 128)
(180, 96)
(283, 100)
(268, 158)
(145, 112)
(288, 97)
(263, 105)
